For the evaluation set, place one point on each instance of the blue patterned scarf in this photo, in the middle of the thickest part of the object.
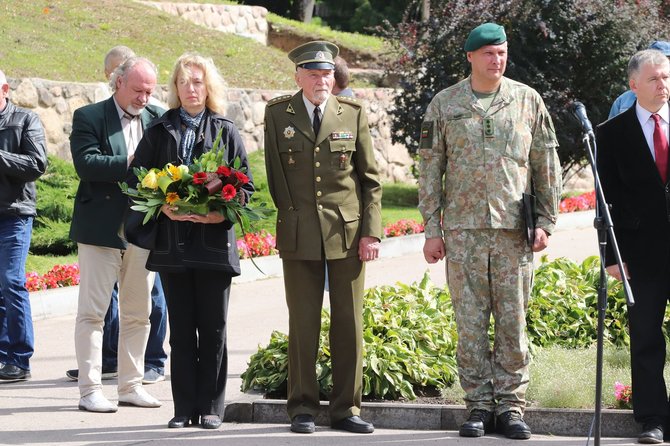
(188, 136)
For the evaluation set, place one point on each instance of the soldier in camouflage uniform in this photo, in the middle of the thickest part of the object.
(484, 142)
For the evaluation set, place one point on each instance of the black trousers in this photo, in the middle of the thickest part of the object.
(647, 347)
(197, 309)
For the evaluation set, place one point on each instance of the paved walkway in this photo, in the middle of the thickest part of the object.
(43, 411)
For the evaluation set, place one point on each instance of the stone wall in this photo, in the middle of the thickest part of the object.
(246, 21)
(55, 103)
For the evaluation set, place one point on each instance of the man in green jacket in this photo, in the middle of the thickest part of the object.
(103, 139)
(323, 179)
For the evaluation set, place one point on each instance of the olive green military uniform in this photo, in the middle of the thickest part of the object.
(327, 193)
(474, 166)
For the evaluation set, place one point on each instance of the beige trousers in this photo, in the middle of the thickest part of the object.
(99, 268)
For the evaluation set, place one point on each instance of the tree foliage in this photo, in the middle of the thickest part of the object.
(566, 49)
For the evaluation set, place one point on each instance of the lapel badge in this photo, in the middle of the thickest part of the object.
(289, 132)
(339, 109)
(290, 110)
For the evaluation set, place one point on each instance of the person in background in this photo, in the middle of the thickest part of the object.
(485, 142)
(627, 98)
(323, 179)
(341, 86)
(154, 355)
(23, 159)
(195, 255)
(103, 141)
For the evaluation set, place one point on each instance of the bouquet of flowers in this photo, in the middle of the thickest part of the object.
(208, 184)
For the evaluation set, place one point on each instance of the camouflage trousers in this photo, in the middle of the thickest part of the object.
(489, 271)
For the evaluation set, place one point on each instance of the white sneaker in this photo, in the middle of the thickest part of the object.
(96, 402)
(138, 397)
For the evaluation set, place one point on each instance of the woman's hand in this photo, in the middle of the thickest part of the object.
(210, 218)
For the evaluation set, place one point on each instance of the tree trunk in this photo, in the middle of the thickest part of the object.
(302, 10)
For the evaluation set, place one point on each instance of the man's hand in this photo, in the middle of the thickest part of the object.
(433, 249)
(541, 240)
(210, 218)
(613, 270)
(368, 248)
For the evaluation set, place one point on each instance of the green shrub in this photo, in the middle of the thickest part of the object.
(410, 331)
(55, 201)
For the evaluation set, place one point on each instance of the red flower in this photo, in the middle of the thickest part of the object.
(224, 171)
(228, 192)
(241, 177)
(199, 177)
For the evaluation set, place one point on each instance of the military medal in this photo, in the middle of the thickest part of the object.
(337, 136)
(343, 161)
(290, 160)
(289, 132)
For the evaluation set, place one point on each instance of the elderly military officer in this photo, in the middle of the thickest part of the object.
(484, 142)
(323, 179)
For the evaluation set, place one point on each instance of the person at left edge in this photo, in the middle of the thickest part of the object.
(103, 141)
(23, 158)
(196, 255)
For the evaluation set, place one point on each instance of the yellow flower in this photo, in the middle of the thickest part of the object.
(175, 171)
(161, 173)
(171, 198)
(150, 181)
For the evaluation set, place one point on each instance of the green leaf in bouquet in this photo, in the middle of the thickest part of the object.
(164, 182)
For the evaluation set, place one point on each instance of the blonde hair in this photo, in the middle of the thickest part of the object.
(214, 82)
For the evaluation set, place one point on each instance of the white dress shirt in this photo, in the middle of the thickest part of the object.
(647, 123)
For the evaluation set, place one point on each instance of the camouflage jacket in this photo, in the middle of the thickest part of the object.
(475, 164)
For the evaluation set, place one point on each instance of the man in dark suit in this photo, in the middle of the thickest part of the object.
(633, 168)
(103, 140)
(323, 179)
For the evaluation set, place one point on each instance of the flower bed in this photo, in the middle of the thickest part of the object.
(582, 202)
(58, 276)
(257, 244)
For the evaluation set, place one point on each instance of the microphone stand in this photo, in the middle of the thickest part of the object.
(605, 228)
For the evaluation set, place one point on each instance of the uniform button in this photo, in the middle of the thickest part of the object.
(320, 207)
(318, 179)
(317, 150)
(317, 164)
(318, 193)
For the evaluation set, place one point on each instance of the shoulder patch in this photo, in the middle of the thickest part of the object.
(348, 100)
(279, 99)
(426, 137)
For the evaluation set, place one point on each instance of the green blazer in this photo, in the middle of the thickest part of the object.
(100, 155)
(326, 187)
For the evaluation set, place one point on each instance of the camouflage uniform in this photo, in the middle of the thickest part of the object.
(487, 159)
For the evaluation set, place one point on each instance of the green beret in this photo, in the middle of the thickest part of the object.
(485, 34)
(316, 55)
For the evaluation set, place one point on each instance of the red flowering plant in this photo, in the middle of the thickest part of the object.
(208, 184)
(403, 227)
(623, 395)
(256, 244)
(59, 276)
(582, 202)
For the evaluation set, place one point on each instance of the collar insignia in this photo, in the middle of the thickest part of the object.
(290, 110)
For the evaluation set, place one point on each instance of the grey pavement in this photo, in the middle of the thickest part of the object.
(43, 411)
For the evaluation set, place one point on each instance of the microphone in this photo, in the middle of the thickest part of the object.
(579, 111)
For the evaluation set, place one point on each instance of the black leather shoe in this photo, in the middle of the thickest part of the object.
(511, 425)
(354, 424)
(479, 422)
(13, 373)
(652, 433)
(73, 374)
(210, 421)
(303, 424)
(178, 422)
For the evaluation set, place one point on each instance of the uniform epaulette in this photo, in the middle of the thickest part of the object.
(348, 100)
(279, 99)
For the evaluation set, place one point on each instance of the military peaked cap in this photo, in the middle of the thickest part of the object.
(315, 55)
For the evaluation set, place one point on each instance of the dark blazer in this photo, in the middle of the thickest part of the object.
(181, 245)
(326, 187)
(639, 199)
(100, 158)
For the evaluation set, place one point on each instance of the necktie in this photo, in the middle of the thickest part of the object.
(131, 144)
(660, 148)
(316, 123)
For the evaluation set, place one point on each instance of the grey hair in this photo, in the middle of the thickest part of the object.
(119, 52)
(122, 70)
(644, 57)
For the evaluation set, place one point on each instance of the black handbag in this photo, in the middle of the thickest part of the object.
(142, 235)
